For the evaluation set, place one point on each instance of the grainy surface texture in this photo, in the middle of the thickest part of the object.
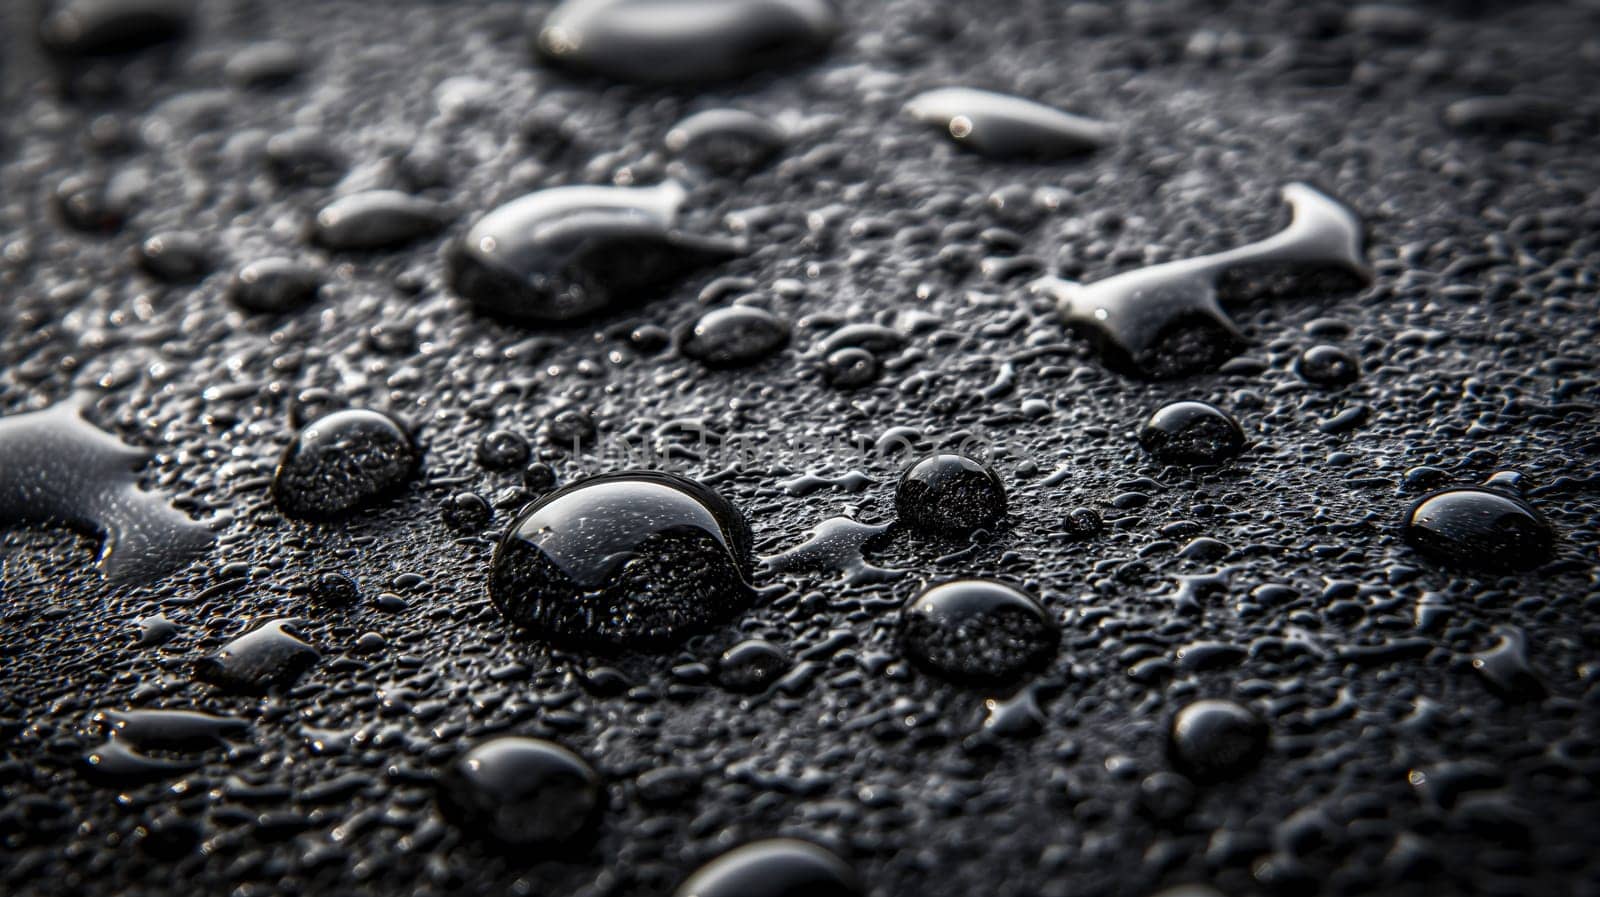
(1381, 715)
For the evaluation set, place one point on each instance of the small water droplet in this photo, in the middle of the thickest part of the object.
(751, 666)
(1479, 528)
(523, 793)
(683, 41)
(343, 462)
(1327, 366)
(1214, 739)
(174, 257)
(726, 141)
(1191, 433)
(734, 337)
(378, 219)
(850, 368)
(950, 494)
(570, 252)
(265, 65)
(110, 27)
(627, 559)
(780, 867)
(1001, 126)
(274, 286)
(258, 661)
(978, 631)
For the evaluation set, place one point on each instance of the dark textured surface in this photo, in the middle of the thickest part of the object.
(1432, 731)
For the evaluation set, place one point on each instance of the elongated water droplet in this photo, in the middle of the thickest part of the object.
(1006, 127)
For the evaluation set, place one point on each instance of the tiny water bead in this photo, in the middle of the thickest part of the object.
(523, 793)
(62, 470)
(274, 285)
(378, 219)
(978, 631)
(342, 462)
(726, 141)
(632, 559)
(1001, 126)
(1191, 433)
(570, 252)
(1327, 366)
(683, 41)
(1166, 321)
(1480, 527)
(1212, 740)
(734, 337)
(260, 660)
(950, 494)
(780, 867)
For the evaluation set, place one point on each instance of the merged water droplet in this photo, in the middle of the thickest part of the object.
(837, 545)
(1191, 433)
(524, 793)
(978, 632)
(254, 663)
(1213, 740)
(342, 462)
(108, 27)
(570, 252)
(378, 219)
(726, 141)
(1480, 528)
(1166, 321)
(1001, 126)
(780, 867)
(631, 559)
(734, 337)
(59, 469)
(950, 494)
(683, 41)
(274, 285)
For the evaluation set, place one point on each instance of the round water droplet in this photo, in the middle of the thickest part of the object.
(466, 512)
(627, 559)
(174, 257)
(342, 462)
(683, 41)
(850, 368)
(1479, 528)
(950, 494)
(781, 867)
(274, 286)
(258, 661)
(1191, 433)
(978, 631)
(1006, 127)
(523, 792)
(751, 666)
(378, 219)
(570, 252)
(727, 141)
(1213, 740)
(1327, 366)
(735, 336)
(93, 204)
(503, 450)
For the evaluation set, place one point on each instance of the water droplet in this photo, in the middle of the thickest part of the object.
(1504, 114)
(378, 219)
(1018, 716)
(1165, 320)
(734, 337)
(466, 512)
(751, 666)
(571, 252)
(780, 867)
(684, 41)
(95, 204)
(950, 494)
(524, 793)
(109, 27)
(342, 462)
(1001, 126)
(59, 469)
(850, 368)
(155, 631)
(115, 763)
(837, 545)
(726, 141)
(304, 157)
(1191, 433)
(1213, 740)
(264, 65)
(1327, 366)
(503, 450)
(978, 632)
(175, 257)
(274, 286)
(259, 660)
(1506, 670)
(627, 559)
(169, 729)
(1479, 528)
(334, 590)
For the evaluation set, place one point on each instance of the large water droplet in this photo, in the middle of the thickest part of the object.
(1213, 740)
(1479, 528)
(1166, 321)
(628, 559)
(978, 631)
(342, 462)
(569, 252)
(1191, 433)
(1006, 127)
(378, 219)
(59, 469)
(781, 867)
(523, 793)
(683, 41)
(950, 494)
